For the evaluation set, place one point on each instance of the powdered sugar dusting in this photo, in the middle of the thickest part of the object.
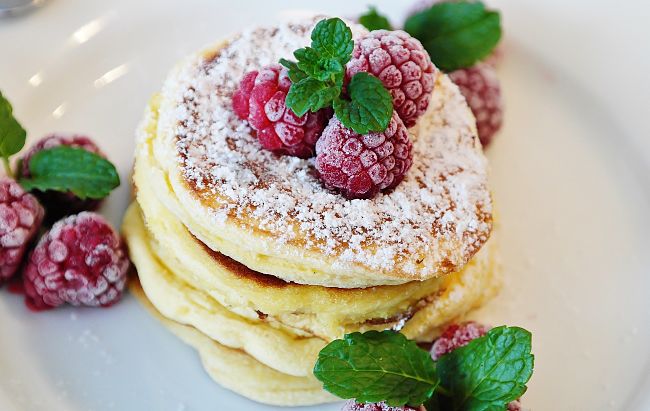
(442, 208)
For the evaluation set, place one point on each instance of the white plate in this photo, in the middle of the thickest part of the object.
(570, 175)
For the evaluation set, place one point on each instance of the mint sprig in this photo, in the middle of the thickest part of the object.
(377, 366)
(317, 81)
(63, 168)
(456, 34)
(486, 374)
(12, 134)
(372, 20)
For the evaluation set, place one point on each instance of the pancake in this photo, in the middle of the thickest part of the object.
(273, 344)
(238, 371)
(274, 216)
(312, 310)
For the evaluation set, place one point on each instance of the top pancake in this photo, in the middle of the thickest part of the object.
(272, 213)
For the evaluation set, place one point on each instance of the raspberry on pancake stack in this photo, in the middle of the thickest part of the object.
(259, 254)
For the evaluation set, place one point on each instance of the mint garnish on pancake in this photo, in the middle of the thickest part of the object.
(486, 374)
(363, 105)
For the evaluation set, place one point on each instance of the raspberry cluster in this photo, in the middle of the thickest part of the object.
(80, 261)
(358, 166)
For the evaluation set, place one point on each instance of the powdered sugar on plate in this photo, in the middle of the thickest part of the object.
(442, 208)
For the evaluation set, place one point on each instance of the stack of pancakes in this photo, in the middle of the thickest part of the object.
(250, 259)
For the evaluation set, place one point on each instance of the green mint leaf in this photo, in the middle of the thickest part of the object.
(12, 134)
(311, 63)
(63, 168)
(372, 20)
(316, 66)
(310, 95)
(332, 38)
(295, 74)
(487, 373)
(456, 34)
(370, 107)
(377, 366)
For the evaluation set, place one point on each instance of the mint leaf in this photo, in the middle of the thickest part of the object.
(372, 20)
(12, 134)
(370, 107)
(332, 38)
(377, 366)
(487, 373)
(456, 34)
(315, 65)
(295, 74)
(310, 95)
(63, 168)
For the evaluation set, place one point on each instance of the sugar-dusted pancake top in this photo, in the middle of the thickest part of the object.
(432, 223)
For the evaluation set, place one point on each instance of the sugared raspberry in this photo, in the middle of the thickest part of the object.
(402, 64)
(260, 99)
(455, 336)
(58, 204)
(514, 406)
(459, 335)
(480, 86)
(80, 261)
(352, 405)
(360, 166)
(20, 218)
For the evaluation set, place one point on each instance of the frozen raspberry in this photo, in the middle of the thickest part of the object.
(260, 99)
(455, 336)
(402, 64)
(514, 406)
(80, 261)
(480, 86)
(20, 218)
(459, 335)
(379, 406)
(58, 204)
(360, 166)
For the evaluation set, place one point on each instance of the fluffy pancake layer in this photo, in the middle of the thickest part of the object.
(274, 216)
(272, 342)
